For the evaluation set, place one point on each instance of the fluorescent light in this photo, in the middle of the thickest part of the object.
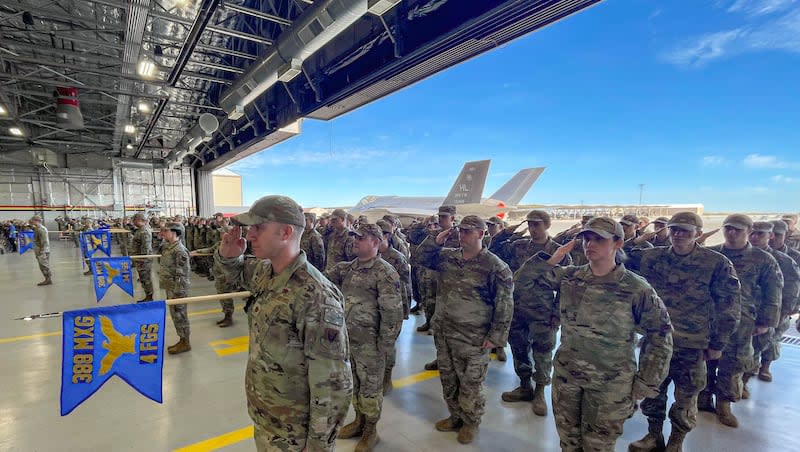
(378, 7)
(128, 147)
(144, 107)
(130, 128)
(16, 131)
(146, 68)
(3, 110)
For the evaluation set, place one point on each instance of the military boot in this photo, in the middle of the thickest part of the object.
(368, 439)
(467, 433)
(522, 393)
(46, 282)
(705, 402)
(182, 346)
(416, 309)
(501, 354)
(226, 321)
(539, 405)
(745, 390)
(354, 428)
(147, 297)
(433, 365)
(675, 443)
(87, 272)
(653, 441)
(424, 328)
(763, 373)
(450, 424)
(387, 381)
(725, 415)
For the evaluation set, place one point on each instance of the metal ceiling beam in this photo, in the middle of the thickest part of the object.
(153, 120)
(220, 67)
(95, 88)
(83, 40)
(74, 67)
(209, 78)
(224, 51)
(200, 24)
(256, 13)
(53, 16)
(213, 28)
(89, 56)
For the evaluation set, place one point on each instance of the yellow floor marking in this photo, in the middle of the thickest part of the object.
(25, 338)
(227, 439)
(230, 346)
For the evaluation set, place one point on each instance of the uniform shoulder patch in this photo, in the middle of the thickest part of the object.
(333, 317)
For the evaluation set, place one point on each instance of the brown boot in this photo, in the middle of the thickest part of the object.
(433, 365)
(467, 433)
(745, 390)
(725, 415)
(653, 441)
(368, 439)
(522, 393)
(450, 424)
(539, 405)
(354, 428)
(501, 354)
(424, 328)
(675, 443)
(387, 382)
(182, 346)
(705, 402)
(227, 321)
(763, 373)
(46, 282)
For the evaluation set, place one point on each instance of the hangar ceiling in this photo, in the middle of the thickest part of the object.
(206, 82)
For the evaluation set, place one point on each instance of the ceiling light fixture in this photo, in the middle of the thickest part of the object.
(144, 107)
(16, 131)
(130, 128)
(146, 68)
(3, 111)
(128, 147)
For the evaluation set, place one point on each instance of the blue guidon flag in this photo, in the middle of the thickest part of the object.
(96, 240)
(107, 271)
(125, 340)
(24, 241)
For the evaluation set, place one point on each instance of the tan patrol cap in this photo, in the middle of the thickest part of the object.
(139, 216)
(629, 220)
(368, 229)
(310, 215)
(661, 220)
(779, 227)
(685, 220)
(36, 218)
(494, 220)
(738, 221)
(173, 226)
(339, 213)
(384, 225)
(447, 210)
(272, 208)
(472, 222)
(604, 227)
(790, 216)
(539, 216)
(762, 226)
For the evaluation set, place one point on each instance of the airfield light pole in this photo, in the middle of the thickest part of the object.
(641, 192)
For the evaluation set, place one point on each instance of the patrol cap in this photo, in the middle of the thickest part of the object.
(447, 210)
(368, 229)
(389, 218)
(538, 216)
(272, 208)
(661, 220)
(494, 220)
(219, 214)
(310, 215)
(586, 218)
(629, 220)
(685, 220)
(36, 218)
(139, 216)
(384, 225)
(762, 226)
(779, 227)
(470, 222)
(604, 227)
(339, 213)
(790, 216)
(172, 226)
(738, 221)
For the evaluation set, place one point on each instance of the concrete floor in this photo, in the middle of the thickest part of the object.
(204, 403)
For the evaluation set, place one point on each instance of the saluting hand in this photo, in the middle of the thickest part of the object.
(442, 236)
(705, 235)
(561, 252)
(233, 244)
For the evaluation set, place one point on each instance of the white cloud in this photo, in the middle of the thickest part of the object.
(342, 158)
(763, 161)
(714, 160)
(778, 32)
(781, 179)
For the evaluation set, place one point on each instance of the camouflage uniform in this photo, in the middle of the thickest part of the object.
(402, 267)
(338, 248)
(311, 243)
(141, 245)
(657, 241)
(793, 239)
(398, 242)
(773, 352)
(221, 282)
(762, 283)
(431, 279)
(701, 293)
(767, 346)
(373, 313)
(41, 248)
(474, 304)
(298, 380)
(595, 365)
(173, 277)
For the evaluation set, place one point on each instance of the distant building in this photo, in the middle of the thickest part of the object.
(228, 196)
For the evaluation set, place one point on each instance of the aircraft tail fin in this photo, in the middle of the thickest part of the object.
(512, 192)
(468, 187)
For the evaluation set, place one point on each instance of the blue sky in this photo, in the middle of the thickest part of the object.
(697, 100)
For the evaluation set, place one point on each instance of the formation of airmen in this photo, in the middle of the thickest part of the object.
(329, 296)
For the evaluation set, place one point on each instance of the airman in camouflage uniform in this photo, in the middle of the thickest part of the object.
(494, 226)
(403, 269)
(473, 315)
(41, 248)
(763, 345)
(700, 289)
(374, 314)
(777, 242)
(221, 283)
(630, 225)
(536, 317)
(660, 232)
(793, 233)
(397, 240)
(602, 306)
(298, 380)
(564, 237)
(762, 283)
(173, 277)
(446, 222)
(339, 246)
(141, 245)
(311, 242)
